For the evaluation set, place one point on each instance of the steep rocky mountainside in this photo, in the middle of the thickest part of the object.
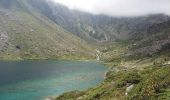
(136, 49)
(157, 40)
(139, 69)
(98, 28)
(26, 33)
(38, 28)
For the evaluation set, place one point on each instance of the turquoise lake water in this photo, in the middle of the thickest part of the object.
(36, 80)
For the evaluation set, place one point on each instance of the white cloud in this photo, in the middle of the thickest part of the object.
(119, 7)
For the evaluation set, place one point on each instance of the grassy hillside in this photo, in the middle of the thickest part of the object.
(26, 34)
(139, 70)
(145, 78)
(135, 49)
(41, 29)
(148, 84)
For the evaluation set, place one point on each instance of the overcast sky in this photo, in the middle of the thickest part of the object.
(119, 7)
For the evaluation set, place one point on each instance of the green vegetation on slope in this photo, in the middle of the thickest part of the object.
(131, 77)
(26, 34)
(152, 83)
(31, 29)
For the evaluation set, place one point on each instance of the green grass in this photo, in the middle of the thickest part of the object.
(149, 84)
(38, 37)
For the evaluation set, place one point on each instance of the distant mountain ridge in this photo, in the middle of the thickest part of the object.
(136, 49)
(44, 29)
(98, 27)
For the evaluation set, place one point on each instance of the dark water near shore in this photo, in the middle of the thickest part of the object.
(35, 80)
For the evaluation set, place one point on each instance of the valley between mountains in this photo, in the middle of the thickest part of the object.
(135, 49)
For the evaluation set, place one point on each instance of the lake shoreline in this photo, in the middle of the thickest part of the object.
(104, 76)
(78, 60)
(81, 75)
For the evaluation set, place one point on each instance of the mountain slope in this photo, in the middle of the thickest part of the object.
(156, 41)
(98, 28)
(139, 70)
(42, 29)
(26, 33)
(138, 58)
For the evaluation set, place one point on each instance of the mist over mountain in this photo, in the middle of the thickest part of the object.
(135, 47)
(99, 27)
(127, 8)
(21, 19)
(32, 20)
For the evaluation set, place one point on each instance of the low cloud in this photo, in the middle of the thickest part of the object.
(119, 7)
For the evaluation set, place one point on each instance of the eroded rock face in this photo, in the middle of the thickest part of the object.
(3, 40)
